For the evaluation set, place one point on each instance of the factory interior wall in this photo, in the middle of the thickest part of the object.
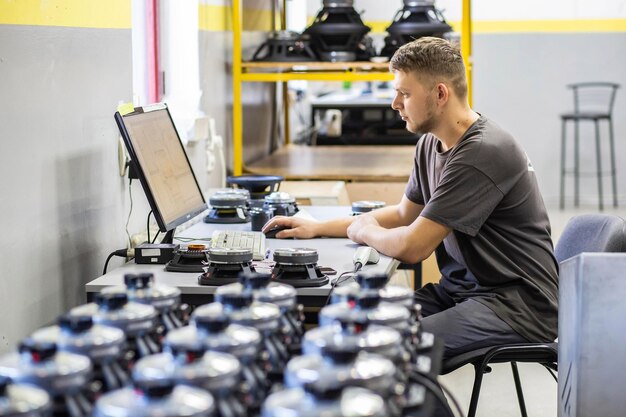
(216, 101)
(520, 82)
(63, 202)
(63, 71)
(216, 40)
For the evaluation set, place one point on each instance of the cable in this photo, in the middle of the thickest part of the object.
(446, 390)
(155, 236)
(106, 263)
(148, 225)
(434, 389)
(191, 239)
(123, 253)
(349, 276)
(448, 393)
(339, 281)
(437, 389)
(362, 256)
(130, 195)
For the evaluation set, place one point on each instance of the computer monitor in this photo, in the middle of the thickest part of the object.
(161, 164)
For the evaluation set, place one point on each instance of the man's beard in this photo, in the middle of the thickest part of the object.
(430, 121)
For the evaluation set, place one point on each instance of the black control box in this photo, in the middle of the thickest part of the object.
(155, 253)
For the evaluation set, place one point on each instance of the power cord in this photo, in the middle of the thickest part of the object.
(348, 277)
(339, 280)
(336, 282)
(148, 225)
(192, 239)
(123, 253)
(155, 237)
(130, 195)
(437, 389)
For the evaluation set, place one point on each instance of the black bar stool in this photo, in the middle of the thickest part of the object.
(593, 102)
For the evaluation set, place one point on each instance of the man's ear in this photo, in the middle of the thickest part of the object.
(443, 93)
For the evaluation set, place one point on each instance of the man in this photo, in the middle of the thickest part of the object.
(473, 199)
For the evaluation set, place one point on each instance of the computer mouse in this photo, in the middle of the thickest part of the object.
(271, 234)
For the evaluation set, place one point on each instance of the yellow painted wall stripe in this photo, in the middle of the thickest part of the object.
(113, 14)
(550, 26)
(218, 18)
(529, 26)
(378, 26)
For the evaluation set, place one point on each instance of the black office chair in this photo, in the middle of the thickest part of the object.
(593, 102)
(586, 233)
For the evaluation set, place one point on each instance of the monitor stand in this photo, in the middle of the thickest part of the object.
(169, 237)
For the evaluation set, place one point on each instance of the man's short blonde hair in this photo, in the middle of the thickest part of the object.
(433, 59)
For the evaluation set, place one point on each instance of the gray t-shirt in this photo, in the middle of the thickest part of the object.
(500, 252)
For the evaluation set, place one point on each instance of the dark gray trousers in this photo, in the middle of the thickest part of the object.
(463, 327)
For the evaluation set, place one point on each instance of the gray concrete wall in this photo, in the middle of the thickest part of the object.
(63, 204)
(520, 82)
(216, 83)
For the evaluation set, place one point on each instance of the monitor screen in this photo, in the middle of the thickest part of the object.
(162, 166)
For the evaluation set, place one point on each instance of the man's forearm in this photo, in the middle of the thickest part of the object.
(334, 228)
(410, 244)
(388, 217)
(396, 243)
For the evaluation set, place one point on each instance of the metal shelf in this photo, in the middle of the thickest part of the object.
(314, 65)
(308, 71)
(314, 71)
(319, 76)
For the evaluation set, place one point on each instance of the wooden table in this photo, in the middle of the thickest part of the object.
(347, 163)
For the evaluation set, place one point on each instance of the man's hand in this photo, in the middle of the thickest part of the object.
(358, 228)
(295, 227)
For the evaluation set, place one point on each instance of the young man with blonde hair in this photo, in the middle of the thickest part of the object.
(473, 199)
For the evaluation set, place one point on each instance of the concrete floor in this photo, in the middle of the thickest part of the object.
(498, 398)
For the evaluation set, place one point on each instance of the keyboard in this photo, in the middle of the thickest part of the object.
(237, 239)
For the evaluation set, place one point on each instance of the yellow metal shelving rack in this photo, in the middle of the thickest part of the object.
(308, 71)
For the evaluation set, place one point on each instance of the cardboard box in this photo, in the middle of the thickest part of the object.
(389, 192)
(317, 193)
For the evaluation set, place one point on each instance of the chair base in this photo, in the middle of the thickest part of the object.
(542, 353)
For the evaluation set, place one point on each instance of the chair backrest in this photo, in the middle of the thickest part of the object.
(596, 97)
(591, 233)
